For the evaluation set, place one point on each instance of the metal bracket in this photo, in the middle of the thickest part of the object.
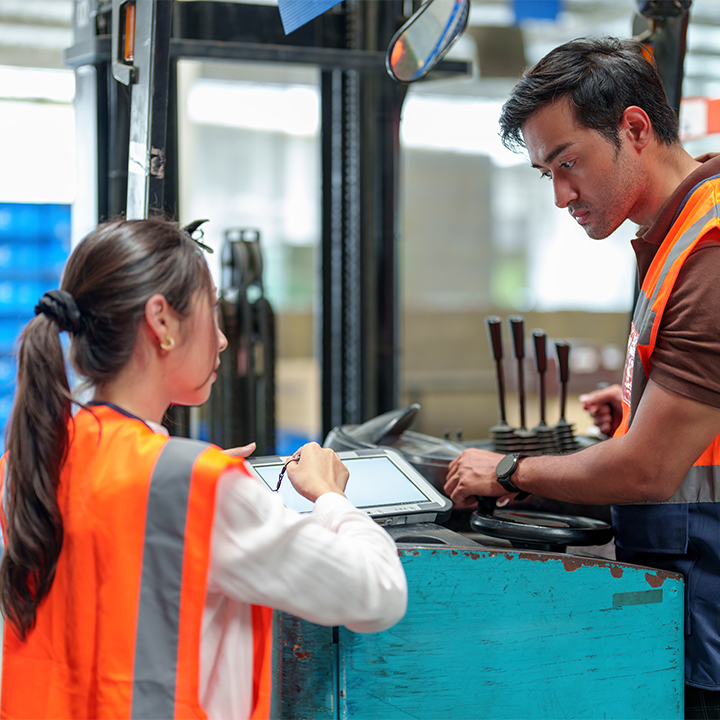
(122, 72)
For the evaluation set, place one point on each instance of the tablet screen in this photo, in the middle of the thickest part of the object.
(373, 481)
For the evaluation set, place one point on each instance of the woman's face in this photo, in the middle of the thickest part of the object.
(197, 353)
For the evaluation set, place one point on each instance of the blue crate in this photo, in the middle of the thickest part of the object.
(34, 241)
(34, 246)
(55, 224)
(29, 222)
(8, 371)
(19, 222)
(6, 403)
(25, 260)
(10, 328)
(21, 296)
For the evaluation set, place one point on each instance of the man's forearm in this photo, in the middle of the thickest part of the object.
(599, 475)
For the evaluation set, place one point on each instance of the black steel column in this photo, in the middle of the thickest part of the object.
(332, 252)
(171, 193)
(116, 148)
(360, 149)
(149, 108)
(383, 136)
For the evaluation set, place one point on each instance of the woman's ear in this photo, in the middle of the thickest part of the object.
(159, 317)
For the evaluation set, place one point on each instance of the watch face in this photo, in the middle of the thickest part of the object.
(506, 465)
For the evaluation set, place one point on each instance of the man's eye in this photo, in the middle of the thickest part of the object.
(569, 164)
(547, 175)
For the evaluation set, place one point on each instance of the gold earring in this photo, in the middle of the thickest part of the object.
(168, 343)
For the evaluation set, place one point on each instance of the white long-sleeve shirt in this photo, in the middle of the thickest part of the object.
(333, 566)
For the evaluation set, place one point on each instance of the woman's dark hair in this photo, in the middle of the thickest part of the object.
(110, 275)
(601, 78)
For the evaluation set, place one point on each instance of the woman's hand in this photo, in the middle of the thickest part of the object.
(317, 471)
(242, 451)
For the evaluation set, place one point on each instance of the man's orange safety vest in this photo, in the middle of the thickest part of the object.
(118, 636)
(699, 214)
(680, 534)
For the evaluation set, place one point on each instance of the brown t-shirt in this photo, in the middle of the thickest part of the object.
(686, 358)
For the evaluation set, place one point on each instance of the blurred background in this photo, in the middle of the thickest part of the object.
(479, 234)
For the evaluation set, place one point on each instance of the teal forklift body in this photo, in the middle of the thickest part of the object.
(491, 633)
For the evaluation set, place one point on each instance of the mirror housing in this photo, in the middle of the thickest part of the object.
(419, 45)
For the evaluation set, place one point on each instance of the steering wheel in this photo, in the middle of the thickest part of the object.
(528, 529)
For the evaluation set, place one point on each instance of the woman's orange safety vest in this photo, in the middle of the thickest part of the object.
(118, 636)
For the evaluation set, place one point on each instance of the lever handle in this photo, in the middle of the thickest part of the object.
(540, 340)
(486, 505)
(517, 327)
(494, 331)
(562, 349)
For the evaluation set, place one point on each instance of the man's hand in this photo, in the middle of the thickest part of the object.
(472, 474)
(605, 407)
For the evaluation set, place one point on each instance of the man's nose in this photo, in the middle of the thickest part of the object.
(564, 193)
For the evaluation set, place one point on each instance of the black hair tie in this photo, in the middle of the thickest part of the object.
(60, 306)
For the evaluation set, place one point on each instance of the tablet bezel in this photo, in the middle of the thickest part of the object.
(437, 507)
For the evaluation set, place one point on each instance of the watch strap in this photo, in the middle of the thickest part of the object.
(508, 484)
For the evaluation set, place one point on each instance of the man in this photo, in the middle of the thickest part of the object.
(595, 121)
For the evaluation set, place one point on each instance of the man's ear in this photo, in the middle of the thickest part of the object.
(636, 125)
(158, 316)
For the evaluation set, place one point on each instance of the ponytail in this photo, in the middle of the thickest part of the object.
(37, 446)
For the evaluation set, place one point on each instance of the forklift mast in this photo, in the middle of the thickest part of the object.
(126, 53)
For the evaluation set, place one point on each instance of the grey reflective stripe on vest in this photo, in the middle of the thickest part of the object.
(700, 485)
(643, 319)
(682, 244)
(156, 643)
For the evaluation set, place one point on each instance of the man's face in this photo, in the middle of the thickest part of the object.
(600, 184)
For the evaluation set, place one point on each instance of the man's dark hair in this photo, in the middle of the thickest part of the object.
(600, 77)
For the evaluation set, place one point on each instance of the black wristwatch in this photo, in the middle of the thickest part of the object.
(504, 470)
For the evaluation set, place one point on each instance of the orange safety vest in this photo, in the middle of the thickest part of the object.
(679, 535)
(699, 213)
(118, 636)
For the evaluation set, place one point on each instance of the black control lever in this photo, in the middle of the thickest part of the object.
(494, 331)
(562, 350)
(517, 326)
(486, 505)
(540, 340)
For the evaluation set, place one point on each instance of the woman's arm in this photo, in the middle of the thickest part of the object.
(334, 566)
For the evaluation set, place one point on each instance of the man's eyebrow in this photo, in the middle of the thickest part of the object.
(551, 156)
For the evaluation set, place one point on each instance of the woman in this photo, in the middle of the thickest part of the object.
(136, 566)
